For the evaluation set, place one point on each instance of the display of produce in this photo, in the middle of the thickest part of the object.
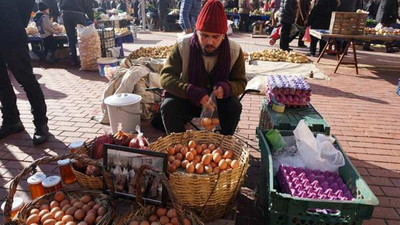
(209, 123)
(386, 31)
(58, 27)
(121, 31)
(315, 184)
(278, 55)
(292, 91)
(31, 29)
(160, 216)
(89, 47)
(152, 52)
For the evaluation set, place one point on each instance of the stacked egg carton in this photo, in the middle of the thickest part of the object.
(314, 184)
(292, 91)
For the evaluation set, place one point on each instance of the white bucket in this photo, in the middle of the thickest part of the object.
(123, 109)
(106, 62)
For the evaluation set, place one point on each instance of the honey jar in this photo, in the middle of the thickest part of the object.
(52, 184)
(67, 176)
(17, 205)
(75, 146)
(35, 185)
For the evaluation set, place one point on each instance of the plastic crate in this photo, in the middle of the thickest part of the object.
(281, 208)
(291, 117)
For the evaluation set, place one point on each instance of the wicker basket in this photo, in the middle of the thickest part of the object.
(347, 23)
(208, 195)
(140, 212)
(23, 214)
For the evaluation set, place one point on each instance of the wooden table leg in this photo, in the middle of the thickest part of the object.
(336, 48)
(342, 56)
(324, 50)
(353, 45)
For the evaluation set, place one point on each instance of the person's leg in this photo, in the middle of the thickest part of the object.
(285, 36)
(313, 45)
(229, 111)
(322, 44)
(300, 43)
(176, 112)
(70, 22)
(51, 46)
(19, 63)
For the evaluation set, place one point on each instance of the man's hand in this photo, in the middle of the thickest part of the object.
(219, 92)
(206, 103)
(188, 31)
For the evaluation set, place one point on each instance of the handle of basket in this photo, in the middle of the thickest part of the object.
(31, 169)
(167, 185)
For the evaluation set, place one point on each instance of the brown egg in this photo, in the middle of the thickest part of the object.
(171, 151)
(189, 156)
(193, 151)
(215, 121)
(184, 163)
(228, 154)
(98, 219)
(178, 147)
(192, 144)
(45, 217)
(44, 206)
(177, 163)
(197, 159)
(234, 164)
(171, 158)
(66, 207)
(94, 211)
(179, 156)
(204, 146)
(59, 215)
(211, 147)
(184, 150)
(164, 220)
(60, 223)
(73, 200)
(50, 222)
(71, 211)
(101, 211)
(153, 218)
(213, 164)
(34, 211)
(145, 223)
(97, 206)
(206, 151)
(86, 199)
(222, 164)
(206, 159)
(205, 121)
(208, 169)
(199, 149)
(55, 210)
(190, 168)
(216, 157)
(54, 204)
(82, 223)
(172, 168)
(90, 218)
(67, 218)
(171, 213)
(155, 223)
(175, 221)
(86, 208)
(34, 218)
(70, 223)
(59, 196)
(199, 168)
(43, 212)
(78, 205)
(216, 170)
(79, 214)
(64, 203)
(165, 151)
(186, 222)
(134, 223)
(229, 161)
(92, 203)
(161, 212)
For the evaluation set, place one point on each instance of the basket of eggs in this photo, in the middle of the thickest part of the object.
(206, 170)
(61, 207)
(155, 215)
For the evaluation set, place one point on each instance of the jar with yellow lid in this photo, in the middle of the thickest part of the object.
(67, 176)
(35, 185)
(52, 184)
(17, 205)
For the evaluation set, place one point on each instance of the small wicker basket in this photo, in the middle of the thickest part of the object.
(208, 195)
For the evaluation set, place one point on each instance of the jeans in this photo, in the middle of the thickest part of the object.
(72, 19)
(176, 112)
(162, 18)
(244, 22)
(285, 36)
(17, 60)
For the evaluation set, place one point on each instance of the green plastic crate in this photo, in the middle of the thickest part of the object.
(289, 119)
(281, 208)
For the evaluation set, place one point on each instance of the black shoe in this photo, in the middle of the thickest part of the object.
(311, 54)
(302, 46)
(7, 130)
(41, 135)
(369, 49)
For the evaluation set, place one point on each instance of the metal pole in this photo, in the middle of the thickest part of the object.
(143, 8)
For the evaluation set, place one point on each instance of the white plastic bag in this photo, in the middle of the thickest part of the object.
(89, 47)
(317, 153)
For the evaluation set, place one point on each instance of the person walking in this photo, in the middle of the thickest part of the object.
(14, 56)
(287, 15)
(74, 12)
(189, 11)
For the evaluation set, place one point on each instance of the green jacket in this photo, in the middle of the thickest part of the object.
(174, 75)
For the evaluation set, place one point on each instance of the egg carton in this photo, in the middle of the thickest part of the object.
(291, 91)
(313, 184)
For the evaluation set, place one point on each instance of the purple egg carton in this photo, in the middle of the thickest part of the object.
(292, 91)
(288, 82)
(314, 184)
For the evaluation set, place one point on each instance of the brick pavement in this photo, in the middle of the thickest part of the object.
(363, 111)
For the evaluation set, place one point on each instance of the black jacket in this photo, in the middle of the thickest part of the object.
(303, 12)
(350, 5)
(53, 7)
(288, 10)
(320, 15)
(82, 6)
(387, 12)
(14, 17)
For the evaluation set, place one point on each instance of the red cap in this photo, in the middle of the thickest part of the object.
(212, 18)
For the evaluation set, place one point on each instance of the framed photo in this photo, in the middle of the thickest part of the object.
(124, 163)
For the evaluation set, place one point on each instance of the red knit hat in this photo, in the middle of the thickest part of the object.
(212, 18)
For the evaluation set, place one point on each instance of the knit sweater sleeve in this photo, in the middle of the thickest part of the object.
(237, 77)
(170, 74)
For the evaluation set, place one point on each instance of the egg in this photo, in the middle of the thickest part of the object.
(184, 163)
(34, 211)
(216, 157)
(189, 156)
(60, 223)
(155, 223)
(192, 144)
(171, 213)
(67, 218)
(222, 164)
(190, 168)
(215, 121)
(206, 151)
(98, 219)
(79, 214)
(90, 218)
(71, 211)
(92, 203)
(199, 149)
(206, 159)
(64, 203)
(161, 212)
(101, 211)
(70, 223)
(229, 161)
(213, 164)
(199, 168)
(86, 208)
(50, 222)
(234, 164)
(66, 207)
(208, 169)
(220, 151)
(94, 211)
(34, 218)
(177, 163)
(73, 200)
(97, 206)
(43, 212)
(211, 147)
(178, 147)
(82, 223)
(171, 168)
(175, 221)
(186, 222)
(44, 206)
(153, 218)
(164, 220)
(134, 223)
(171, 158)
(145, 223)
(78, 205)
(59, 196)
(184, 150)
(46, 216)
(179, 156)
(193, 151)
(59, 215)
(54, 204)
(196, 159)
(86, 199)
(216, 170)
(55, 210)
(205, 121)
(228, 154)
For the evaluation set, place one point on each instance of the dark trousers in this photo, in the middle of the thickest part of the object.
(244, 22)
(72, 19)
(176, 112)
(313, 45)
(162, 17)
(50, 44)
(18, 62)
(285, 36)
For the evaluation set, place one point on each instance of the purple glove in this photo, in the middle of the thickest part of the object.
(195, 94)
(226, 86)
